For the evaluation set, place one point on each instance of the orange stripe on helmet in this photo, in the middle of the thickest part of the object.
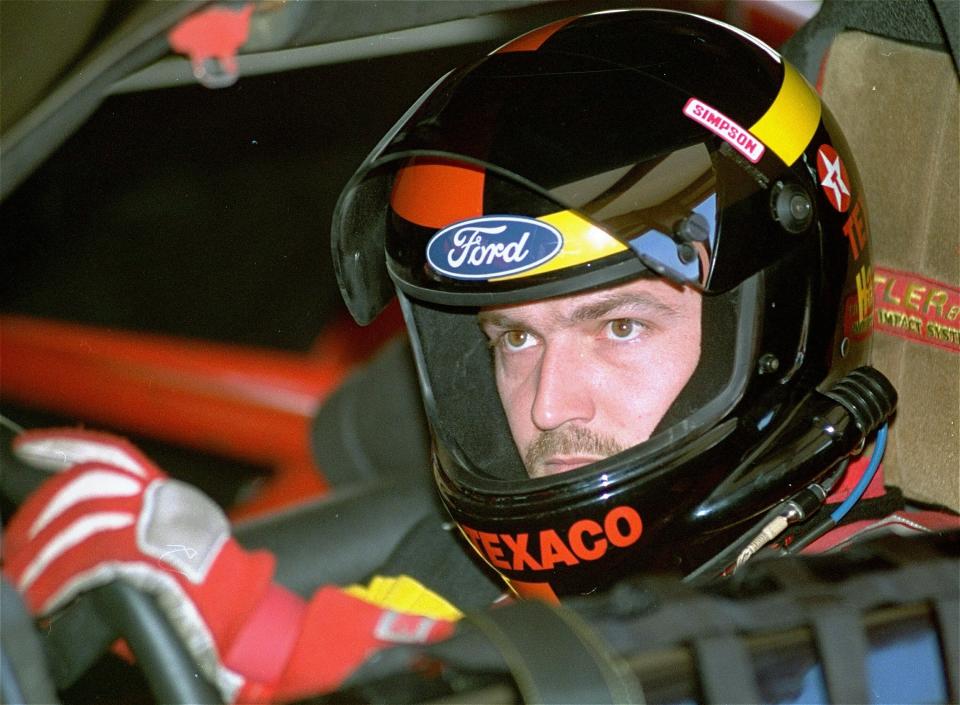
(534, 591)
(434, 193)
(531, 41)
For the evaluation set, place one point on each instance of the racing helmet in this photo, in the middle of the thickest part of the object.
(593, 152)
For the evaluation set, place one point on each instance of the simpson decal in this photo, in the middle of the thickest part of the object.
(833, 177)
(723, 127)
(492, 246)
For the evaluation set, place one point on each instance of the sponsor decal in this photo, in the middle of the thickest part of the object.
(858, 308)
(492, 246)
(585, 540)
(723, 127)
(864, 293)
(401, 628)
(833, 177)
(856, 230)
(917, 308)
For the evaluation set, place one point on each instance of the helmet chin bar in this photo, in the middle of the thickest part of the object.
(828, 429)
(593, 546)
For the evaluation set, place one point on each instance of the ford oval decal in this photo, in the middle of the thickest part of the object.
(492, 246)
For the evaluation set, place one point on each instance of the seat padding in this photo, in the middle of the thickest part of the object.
(898, 105)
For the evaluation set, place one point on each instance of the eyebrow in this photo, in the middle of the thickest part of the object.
(633, 302)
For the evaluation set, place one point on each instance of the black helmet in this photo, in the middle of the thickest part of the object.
(596, 152)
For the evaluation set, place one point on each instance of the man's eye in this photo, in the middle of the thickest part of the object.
(514, 340)
(624, 329)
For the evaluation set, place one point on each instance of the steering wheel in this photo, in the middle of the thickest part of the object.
(83, 632)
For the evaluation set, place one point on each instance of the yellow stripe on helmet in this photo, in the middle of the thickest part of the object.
(582, 242)
(789, 124)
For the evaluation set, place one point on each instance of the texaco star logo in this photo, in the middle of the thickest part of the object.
(833, 178)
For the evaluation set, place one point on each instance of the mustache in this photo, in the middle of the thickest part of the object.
(574, 440)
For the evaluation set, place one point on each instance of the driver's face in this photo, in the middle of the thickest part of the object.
(584, 376)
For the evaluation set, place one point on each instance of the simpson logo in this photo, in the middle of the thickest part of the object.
(492, 246)
(585, 540)
(723, 127)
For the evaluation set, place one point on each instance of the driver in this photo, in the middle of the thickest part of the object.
(586, 376)
(632, 255)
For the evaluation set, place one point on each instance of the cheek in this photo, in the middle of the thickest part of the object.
(641, 392)
(516, 405)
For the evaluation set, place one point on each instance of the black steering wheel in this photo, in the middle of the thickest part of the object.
(33, 670)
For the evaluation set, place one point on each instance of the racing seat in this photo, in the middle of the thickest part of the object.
(889, 72)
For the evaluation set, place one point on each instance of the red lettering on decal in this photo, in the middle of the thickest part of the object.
(553, 550)
(518, 545)
(856, 230)
(491, 546)
(587, 527)
(473, 535)
(611, 525)
(585, 540)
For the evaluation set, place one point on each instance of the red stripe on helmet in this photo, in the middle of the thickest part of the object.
(434, 193)
(531, 41)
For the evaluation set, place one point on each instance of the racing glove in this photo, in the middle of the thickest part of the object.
(112, 514)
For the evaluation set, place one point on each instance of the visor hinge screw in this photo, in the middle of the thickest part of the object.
(686, 253)
(768, 363)
(791, 207)
(693, 228)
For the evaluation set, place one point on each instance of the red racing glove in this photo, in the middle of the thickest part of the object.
(114, 515)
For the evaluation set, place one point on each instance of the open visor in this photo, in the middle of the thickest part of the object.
(444, 203)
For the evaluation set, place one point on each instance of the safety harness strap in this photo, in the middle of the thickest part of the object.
(539, 643)
(842, 645)
(725, 670)
(948, 617)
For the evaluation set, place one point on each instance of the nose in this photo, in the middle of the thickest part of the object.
(564, 392)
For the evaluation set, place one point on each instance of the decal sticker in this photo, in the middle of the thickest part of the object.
(492, 246)
(854, 327)
(833, 177)
(723, 127)
(917, 308)
(585, 540)
(856, 230)
(858, 308)
(865, 293)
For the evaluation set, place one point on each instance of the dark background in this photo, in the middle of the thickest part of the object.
(205, 213)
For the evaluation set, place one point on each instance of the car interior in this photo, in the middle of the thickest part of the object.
(889, 71)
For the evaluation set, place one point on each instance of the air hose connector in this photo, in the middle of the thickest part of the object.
(868, 396)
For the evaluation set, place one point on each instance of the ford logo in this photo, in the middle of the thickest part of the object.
(492, 246)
